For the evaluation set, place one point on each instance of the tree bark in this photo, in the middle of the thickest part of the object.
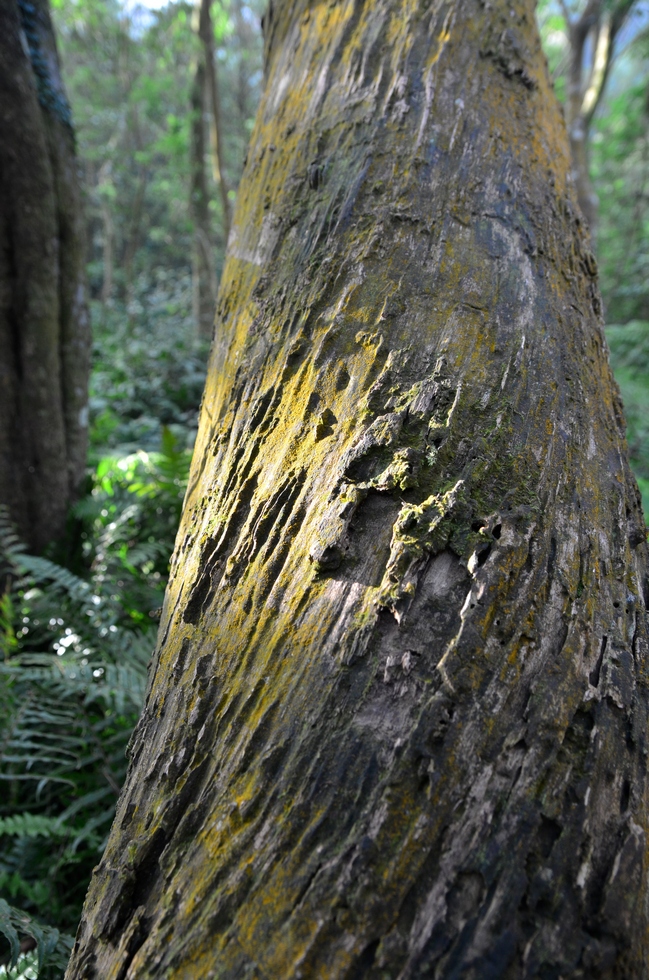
(44, 329)
(396, 725)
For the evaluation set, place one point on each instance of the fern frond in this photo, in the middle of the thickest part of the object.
(42, 572)
(11, 547)
(52, 947)
(33, 825)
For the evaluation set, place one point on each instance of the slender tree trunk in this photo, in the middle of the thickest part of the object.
(203, 273)
(137, 208)
(206, 31)
(133, 240)
(396, 725)
(577, 124)
(601, 22)
(245, 44)
(44, 330)
(108, 238)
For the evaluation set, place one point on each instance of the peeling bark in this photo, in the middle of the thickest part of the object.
(44, 329)
(397, 719)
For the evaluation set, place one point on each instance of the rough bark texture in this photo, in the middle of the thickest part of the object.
(44, 330)
(397, 719)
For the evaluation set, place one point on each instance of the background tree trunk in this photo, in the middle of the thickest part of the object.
(134, 229)
(203, 272)
(44, 329)
(601, 23)
(106, 190)
(206, 31)
(397, 719)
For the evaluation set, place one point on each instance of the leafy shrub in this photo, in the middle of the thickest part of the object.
(73, 683)
(34, 950)
(129, 520)
(75, 641)
(73, 656)
(149, 370)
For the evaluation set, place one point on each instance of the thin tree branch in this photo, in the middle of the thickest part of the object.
(587, 18)
(601, 61)
(566, 13)
(616, 21)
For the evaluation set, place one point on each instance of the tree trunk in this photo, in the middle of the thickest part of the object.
(206, 31)
(107, 235)
(203, 273)
(602, 23)
(246, 43)
(44, 329)
(132, 242)
(397, 719)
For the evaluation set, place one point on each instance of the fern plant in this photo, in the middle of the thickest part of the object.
(35, 951)
(72, 680)
(73, 655)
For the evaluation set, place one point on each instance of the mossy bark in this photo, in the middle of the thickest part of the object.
(396, 725)
(44, 329)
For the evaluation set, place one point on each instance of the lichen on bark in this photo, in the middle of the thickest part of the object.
(396, 722)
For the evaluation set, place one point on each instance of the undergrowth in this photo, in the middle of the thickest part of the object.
(149, 369)
(74, 649)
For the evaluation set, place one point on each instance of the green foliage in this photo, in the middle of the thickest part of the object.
(73, 682)
(31, 825)
(618, 144)
(552, 25)
(620, 169)
(149, 370)
(22, 932)
(131, 518)
(75, 644)
(629, 346)
(75, 650)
